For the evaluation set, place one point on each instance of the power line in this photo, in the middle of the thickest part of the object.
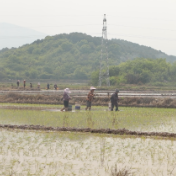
(142, 18)
(138, 27)
(111, 34)
(54, 26)
(75, 16)
(57, 15)
(145, 37)
(20, 37)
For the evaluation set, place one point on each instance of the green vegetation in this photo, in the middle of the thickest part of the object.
(68, 56)
(135, 119)
(68, 154)
(157, 72)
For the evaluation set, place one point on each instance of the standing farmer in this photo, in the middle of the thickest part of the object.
(55, 86)
(38, 85)
(114, 100)
(31, 85)
(48, 86)
(66, 99)
(90, 97)
(18, 83)
(24, 83)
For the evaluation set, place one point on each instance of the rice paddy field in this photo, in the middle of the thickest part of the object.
(25, 152)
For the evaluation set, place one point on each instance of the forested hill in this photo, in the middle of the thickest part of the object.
(72, 56)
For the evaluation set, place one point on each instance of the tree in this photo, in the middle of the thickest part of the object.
(114, 71)
(71, 55)
(145, 76)
(80, 74)
(113, 80)
(94, 78)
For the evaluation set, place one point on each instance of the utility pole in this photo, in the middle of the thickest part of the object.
(104, 65)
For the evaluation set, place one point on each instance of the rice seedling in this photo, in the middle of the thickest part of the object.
(69, 153)
(137, 119)
(82, 154)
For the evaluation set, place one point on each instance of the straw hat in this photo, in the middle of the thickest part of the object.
(92, 88)
(67, 90)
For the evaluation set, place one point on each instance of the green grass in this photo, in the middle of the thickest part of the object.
(140, 119)
(66, 153)
(53, 153)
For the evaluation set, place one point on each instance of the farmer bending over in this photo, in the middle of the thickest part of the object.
(90, 97)
(114, 100)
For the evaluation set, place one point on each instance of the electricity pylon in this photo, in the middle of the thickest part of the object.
(104, 65)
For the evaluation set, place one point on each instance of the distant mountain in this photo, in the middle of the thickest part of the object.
(69, 56)
(15, 36)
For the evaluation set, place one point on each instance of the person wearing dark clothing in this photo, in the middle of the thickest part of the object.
(31, 85)
(48, 86)
(114, 100)
(24, 83)
(18, 83)
(55, 86)
(66, 99)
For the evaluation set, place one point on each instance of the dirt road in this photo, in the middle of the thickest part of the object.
(133, 101)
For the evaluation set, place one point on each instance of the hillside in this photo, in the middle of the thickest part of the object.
(70, 56)
(14, 36)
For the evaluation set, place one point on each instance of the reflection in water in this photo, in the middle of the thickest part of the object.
(65, 153)
(90, 122)
(65, 121)
(102, 150)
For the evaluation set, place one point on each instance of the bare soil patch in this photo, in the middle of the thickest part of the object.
(98, 101)
(89, 130)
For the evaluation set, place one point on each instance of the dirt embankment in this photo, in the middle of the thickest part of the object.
(101, 101)
(89, 130)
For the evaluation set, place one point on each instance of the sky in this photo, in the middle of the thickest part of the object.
(146, 22)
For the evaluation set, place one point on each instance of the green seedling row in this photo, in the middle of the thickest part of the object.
(135, 119)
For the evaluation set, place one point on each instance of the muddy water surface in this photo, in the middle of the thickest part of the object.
(63, 153)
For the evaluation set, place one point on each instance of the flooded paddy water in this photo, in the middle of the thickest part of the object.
(63, 153)
(30, 152)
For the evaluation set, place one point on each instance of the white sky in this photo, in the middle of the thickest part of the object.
(146, 22)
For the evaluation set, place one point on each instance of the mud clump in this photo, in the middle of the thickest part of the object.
(89, 130)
